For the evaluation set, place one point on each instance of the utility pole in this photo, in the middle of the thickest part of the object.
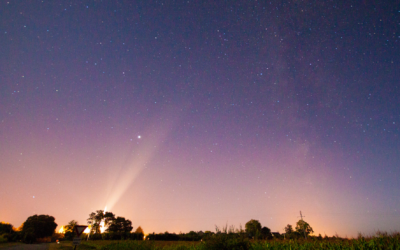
(304, 224)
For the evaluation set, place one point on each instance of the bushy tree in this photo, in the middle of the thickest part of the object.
(139, 230)
(71, 225)
(7, 232)
(69, 232)
(120, 226)
(253, 228)
(266, 233)
(38, 226)
(288, 231)
(303, 228)
(5, 228)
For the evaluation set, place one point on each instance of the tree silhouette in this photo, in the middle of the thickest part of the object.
(266, 233)
(303, 227)
(38, 226)
(95, 218)
(253, 228)
(139, 230)
(71, 225)
(120, 226)
(5, 228)
(288, 231)
(69, 232)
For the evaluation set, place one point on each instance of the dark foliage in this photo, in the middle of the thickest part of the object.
(253, 229)
(266, 233)
(191, 236)
(38, 226)
(123, 236)
(96, 236)
(136, 236)
(223, 241)
(95, 219)
(69, 235)
(7, 232)
(5, 228)
(120, 226)
(69, 230)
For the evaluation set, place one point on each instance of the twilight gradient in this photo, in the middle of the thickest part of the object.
(183, 115)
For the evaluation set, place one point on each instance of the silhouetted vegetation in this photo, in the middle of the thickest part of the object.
(38, 226)
(119, 236)
(5, 228)
(118, 228)
(253, 237)
(69, 232)
(226, 241)
(253, 229)
(95, 218)
(8, 233)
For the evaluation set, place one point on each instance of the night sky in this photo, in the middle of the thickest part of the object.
(183, 115)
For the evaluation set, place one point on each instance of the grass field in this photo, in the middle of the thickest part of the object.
(126, 244)
(370, 243)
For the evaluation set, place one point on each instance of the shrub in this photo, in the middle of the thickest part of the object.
(223, 241)
(95, 237)
(69, 235)
(5, 228)
(28, 237)
(3, 239)
(128, 245)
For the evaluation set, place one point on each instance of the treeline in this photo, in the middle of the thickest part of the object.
(35, 228)
(191, 236)
(107, 226)
(112, 236)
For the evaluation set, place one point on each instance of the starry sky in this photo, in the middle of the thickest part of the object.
(183, 115)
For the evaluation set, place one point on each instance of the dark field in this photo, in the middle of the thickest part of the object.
(220, 243)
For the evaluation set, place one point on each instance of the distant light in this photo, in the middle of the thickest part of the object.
(139, 136)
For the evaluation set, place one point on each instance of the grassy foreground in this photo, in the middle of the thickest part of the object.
(126, 244)
(371, 243)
